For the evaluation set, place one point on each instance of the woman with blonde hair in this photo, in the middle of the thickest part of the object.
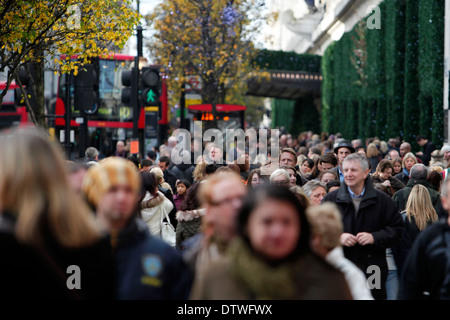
(407, 163)
(418, 215)
(46, 227)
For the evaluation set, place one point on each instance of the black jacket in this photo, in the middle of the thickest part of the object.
(425, 271)
(29, 274)
(377, 215)
(170, 178)
(183, 171)
(428, 148)
(401, 196)
(403, 177)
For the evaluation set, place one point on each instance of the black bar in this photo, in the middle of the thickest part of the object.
(68, 116)
(139, 41)
(134, 96)
(182, 105)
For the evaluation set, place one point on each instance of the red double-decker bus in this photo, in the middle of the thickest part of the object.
(12, 114)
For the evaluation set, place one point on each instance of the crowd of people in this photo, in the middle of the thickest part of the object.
(326, 219)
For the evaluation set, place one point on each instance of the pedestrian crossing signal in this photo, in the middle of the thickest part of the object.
(151, 86)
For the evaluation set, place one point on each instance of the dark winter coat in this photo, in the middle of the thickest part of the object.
(29, 274)
(377, 215)
(396, 184)
(183, 171)
(409, 236)
(189, 223)
(242, 275)
(425, 271)
(403, 177)
(401, 196)
(148, 268)
(428, 148)
(170, 178)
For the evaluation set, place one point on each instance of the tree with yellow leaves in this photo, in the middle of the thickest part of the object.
(210, 39)
(31, 30)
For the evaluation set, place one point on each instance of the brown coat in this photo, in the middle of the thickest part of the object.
(314, 279)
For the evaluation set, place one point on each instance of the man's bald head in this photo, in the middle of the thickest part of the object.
(405, 147)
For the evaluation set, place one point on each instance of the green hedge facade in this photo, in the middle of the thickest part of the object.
(398, 90)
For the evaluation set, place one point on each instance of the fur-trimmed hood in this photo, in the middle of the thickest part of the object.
(189, 215)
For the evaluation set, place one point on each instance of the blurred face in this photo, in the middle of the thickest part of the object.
(397, 167)
(181, 189)
(145, 168)
(362, 152)
(76, 179)
(292, 178)
(354, 175)
(226, 200)
(290, 142)
(326, 166)
(404, 149)
(305, 167)
(447, 156)
(317, 195)
(215, 154)
(256, 180)
(280, 180)
(117, 206)
(283, 140)
(445, 199)
(120, 146)
(343, 153)
(162, 165)
(288, 159)
(393, 154)
(274, 229)
(327, 177)
(409, 163)
(386, 174)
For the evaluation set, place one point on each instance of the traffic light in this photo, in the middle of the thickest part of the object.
(86, 97)
(151, 87)
(127, 80)
(25, 75)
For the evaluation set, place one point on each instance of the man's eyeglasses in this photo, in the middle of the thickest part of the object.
(235, 200)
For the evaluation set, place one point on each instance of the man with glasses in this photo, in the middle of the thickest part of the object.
(221, 194)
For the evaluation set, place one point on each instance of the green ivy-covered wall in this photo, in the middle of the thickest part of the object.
(388, 82)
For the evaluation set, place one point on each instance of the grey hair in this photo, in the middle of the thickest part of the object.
(357, 157)
(91, 153)
(312, 185)
(279, 172)
(419, 171)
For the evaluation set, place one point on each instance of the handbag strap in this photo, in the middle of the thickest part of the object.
(165, 215)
